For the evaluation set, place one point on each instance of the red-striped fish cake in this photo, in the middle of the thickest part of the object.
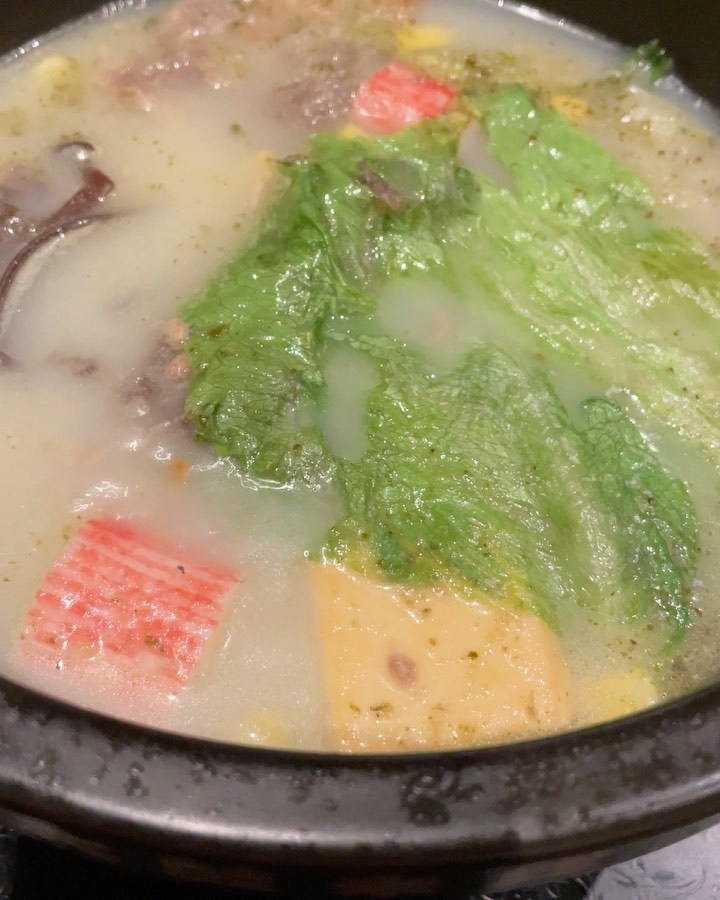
(123, 600)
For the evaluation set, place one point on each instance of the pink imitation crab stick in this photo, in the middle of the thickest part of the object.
(398, 96)
(123, 600)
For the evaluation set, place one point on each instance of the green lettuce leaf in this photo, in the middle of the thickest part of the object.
(259, 328)
(581, 256)
(480, 474)
(650, 59)
(655, 528)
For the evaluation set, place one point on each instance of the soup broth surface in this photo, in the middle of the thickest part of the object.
(188, 107)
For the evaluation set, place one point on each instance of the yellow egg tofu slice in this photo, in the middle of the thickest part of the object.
(428, 669)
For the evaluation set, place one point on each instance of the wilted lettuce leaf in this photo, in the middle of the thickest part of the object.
(582, 257)
(478, 474)
(651, 59)
(654, 528)
(258, 329)
(482, 473)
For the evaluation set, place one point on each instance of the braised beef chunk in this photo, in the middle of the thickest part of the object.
(156, 395)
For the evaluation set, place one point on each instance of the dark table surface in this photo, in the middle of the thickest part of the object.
(30, 870)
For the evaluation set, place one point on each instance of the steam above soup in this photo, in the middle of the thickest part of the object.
(359, 374)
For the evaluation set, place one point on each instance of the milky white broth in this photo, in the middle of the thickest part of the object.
(190, 175)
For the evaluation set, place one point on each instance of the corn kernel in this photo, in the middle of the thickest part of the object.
(423, 37)
(573, 108)
(61, 77)
(618, 694)
(264, 726)
(350, 133)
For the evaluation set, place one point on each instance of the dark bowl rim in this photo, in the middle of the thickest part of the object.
(563, 795)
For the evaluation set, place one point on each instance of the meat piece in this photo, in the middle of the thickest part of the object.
(198, 39)
(178, 367)
(191, 19)
(121, 601)
(143, 77)
(157, 394)
(324, 87)
(182, 47)
(175, 333)
(426, 669)
(137, 395)
(398, 96)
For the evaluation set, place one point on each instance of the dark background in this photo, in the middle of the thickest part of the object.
(689, 870)
(30, 870)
